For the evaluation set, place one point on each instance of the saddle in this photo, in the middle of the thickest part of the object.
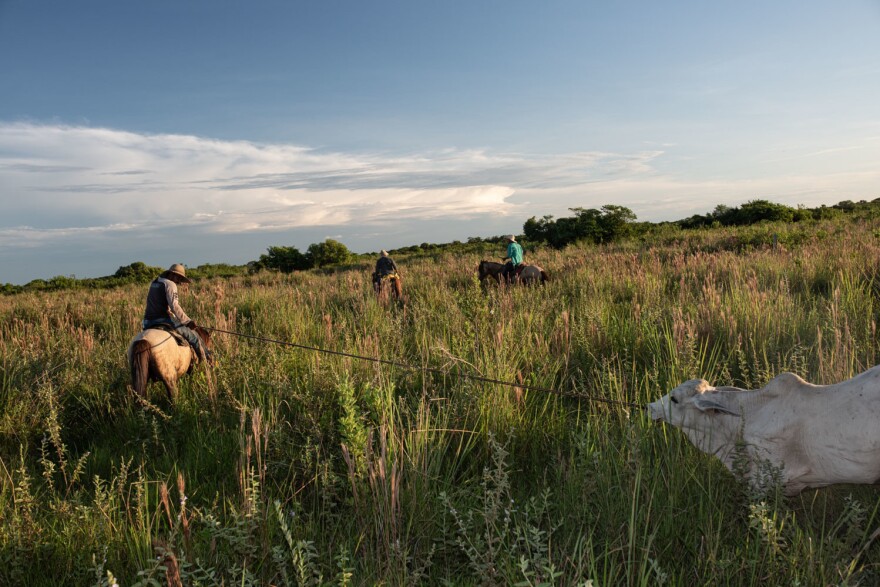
(173, 332)
(377, 277)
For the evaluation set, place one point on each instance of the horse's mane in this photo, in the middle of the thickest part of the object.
(203, 333)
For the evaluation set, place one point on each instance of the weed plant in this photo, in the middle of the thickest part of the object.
(293, 467)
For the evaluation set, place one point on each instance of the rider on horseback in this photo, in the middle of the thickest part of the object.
(163, 307)
(385, 265)
(515, 254)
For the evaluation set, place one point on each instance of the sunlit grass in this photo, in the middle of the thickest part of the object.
(299, 467)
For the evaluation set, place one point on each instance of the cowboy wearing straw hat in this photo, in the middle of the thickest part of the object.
(385, 265)
(163, 307)
(515, 254)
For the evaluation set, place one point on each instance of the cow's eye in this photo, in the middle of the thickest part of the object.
(673, 400)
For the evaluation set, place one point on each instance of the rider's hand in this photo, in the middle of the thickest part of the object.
(191, 324)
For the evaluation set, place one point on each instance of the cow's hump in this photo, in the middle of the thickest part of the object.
(786, 383)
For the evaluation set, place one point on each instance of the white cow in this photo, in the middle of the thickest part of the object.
(814, 435)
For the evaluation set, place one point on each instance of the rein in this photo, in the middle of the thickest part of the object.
(434, 370)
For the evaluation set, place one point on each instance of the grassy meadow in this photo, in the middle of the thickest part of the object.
(283, 466)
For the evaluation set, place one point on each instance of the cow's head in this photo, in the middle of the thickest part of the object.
(703, 413)
(688, 405)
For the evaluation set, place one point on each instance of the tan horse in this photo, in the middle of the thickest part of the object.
(389, 286)
(154, 355)
(529, 274)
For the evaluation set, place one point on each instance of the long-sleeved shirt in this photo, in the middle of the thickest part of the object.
(514, 253)
(385, 265)
(162, 302)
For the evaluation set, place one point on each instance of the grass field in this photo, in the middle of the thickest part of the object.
(292, 467)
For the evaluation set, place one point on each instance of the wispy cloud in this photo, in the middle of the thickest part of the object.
(63, 180)
(818, 153)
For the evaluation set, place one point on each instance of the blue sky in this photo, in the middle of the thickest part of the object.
(206, 131)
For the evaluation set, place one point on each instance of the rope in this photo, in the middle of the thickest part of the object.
(429, 369)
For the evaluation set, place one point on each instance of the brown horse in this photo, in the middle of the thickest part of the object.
(528, 275)
(388, 286)
(155, 355)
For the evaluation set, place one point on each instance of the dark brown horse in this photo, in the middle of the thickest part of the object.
(155, 355)
(388, 286)
(529, 274)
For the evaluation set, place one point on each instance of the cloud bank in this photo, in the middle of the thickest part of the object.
(59, 181)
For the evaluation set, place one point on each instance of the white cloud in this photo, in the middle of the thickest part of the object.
(26, 237)
(60, 180)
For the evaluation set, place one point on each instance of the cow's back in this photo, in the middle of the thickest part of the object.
(821, 434)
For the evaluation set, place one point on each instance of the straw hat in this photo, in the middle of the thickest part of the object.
(383, 252)
(511, 238)
(178, 270)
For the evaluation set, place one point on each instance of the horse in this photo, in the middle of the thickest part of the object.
(529, 274)
(388, 286)
(155, 355)
(533, 274)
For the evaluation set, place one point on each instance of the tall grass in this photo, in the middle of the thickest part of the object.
(292, 467)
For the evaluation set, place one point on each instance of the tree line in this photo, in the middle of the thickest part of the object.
(586, 225)
(289, 259)
(611, 223)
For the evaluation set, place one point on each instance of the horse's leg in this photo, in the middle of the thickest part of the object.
(170, 388)
(140, 367)
(168, 375)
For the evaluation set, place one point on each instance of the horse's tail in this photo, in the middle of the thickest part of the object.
(398, 288)
(140, 366)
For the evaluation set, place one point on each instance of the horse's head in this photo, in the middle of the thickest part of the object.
(486, 269)
(205, 335)
(490, 269)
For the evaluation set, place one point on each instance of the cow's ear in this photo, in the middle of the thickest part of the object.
(707, 404)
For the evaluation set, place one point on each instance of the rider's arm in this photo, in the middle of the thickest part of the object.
(507, 255)
(174, 304)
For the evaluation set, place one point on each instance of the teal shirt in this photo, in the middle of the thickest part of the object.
(515, 253)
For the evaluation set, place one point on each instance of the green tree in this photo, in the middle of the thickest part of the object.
(614, 222)
(824, 212)
(588, 224)
(283, 259)
(537, 230)
(330, 252)
(137, 271)
(62, 282)
(8, 288)
(584, 225)
(758, 210)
